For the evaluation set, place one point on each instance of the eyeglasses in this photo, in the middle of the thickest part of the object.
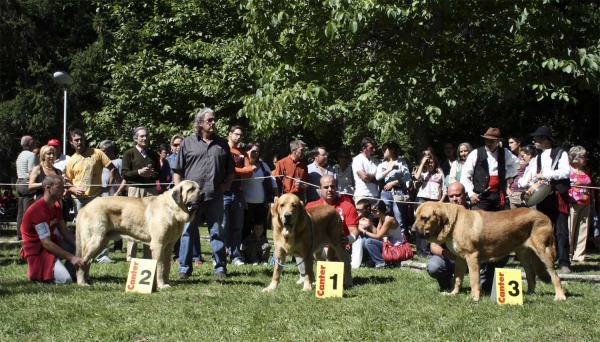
(360, 210)
(210, 120)
(175, 145)
(323, 155)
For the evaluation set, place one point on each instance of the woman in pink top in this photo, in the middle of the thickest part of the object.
(581, 200)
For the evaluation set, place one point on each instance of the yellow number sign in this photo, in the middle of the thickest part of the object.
(508, 287)
(330, 279)
(141, 276)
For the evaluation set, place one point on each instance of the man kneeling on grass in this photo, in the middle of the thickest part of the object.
(42, 246)
(441, 265)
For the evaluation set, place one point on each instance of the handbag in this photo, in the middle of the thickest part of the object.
(397, 253)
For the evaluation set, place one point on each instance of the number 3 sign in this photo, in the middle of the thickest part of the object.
(141, 276)
(508, 287)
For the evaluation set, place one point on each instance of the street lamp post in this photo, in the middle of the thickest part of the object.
(65, 79)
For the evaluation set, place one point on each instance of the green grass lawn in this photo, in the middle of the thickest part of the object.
(385, 305)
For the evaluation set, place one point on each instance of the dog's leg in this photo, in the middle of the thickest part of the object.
(280, 255)
(545, 254)
(344, 256)
(460, 269)
(524, 255)
(89, 250)
(474, 268)
(157, 254)
(166, 261)
(309, 277)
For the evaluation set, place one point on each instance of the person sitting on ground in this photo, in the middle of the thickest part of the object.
(255, 247)
(373, 238)
(363, 208)
(42, 246)
(442, 263)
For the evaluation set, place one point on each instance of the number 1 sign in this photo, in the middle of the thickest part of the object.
(141, 276)
(330, 279)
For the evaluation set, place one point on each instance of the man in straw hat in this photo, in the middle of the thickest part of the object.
(552, 164)
(488, 172)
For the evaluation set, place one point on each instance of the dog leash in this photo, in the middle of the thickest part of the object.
(274, 261)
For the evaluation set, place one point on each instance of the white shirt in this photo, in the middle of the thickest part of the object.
(466, 178)
(253, 188)
(61, 163)
(402, 174)
(360, 162)
(345, 180)
(563, 170)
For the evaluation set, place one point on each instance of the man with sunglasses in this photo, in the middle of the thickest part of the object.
(343, 171)
(316, 170)
(206, 159)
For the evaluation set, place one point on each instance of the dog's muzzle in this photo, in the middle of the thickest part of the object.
(418, 234)
(193, 206)
(288, 219)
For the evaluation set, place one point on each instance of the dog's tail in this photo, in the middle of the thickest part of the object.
(540, 269)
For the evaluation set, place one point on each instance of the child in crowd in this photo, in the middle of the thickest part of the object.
(255, 247)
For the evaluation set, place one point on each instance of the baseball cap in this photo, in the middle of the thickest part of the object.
(53, 142)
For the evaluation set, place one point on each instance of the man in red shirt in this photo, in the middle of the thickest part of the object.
(344, 207)
(42, 247)
(294, 167)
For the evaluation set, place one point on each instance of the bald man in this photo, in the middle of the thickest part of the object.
(441, 265)
(344, 207)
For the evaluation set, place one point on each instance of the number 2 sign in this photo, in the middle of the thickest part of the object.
(141, 276)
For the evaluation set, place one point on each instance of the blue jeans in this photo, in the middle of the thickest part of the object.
(442, 269)
(233, 223)
(374, 248)
(213, 211)
(400, 210)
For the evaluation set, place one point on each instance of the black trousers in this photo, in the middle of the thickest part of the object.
(560, 221)
(488, 201)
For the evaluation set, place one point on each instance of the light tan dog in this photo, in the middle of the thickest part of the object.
(303, 233)
(156, 220)
(476, 236)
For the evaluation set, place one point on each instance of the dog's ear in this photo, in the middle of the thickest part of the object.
(274, 207)
(441, 216)
(176, 194)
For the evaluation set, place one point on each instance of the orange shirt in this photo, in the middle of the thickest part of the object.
(243, 169)
(288, 167)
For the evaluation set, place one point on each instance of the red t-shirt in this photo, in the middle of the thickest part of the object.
(344, 208)
(39, 220)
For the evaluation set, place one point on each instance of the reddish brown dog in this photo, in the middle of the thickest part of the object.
(476, 236)
(303, 233)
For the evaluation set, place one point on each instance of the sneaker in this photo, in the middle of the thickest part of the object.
(300, 281)
(381, 265)
(255, 264)
(199, 262)
(220, 275)
(105, 260)
(238, 262)
(214, 262)
(182, 276)
(565, 269)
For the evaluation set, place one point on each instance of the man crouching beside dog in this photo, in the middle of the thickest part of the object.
(477, 236)
(441, 265)
(42, 247)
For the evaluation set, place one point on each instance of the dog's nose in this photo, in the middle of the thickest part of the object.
(287, 215)
(414, 229)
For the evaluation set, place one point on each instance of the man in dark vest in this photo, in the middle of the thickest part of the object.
(488, 172)
(552, 164)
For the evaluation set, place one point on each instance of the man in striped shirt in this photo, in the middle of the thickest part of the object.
(26, 161)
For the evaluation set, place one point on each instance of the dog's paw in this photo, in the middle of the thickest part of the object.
(307, 288)
(448, 293)
(164, 287)
(560, 297)
(475, 299)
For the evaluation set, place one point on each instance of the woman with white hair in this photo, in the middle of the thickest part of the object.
(580, 201)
